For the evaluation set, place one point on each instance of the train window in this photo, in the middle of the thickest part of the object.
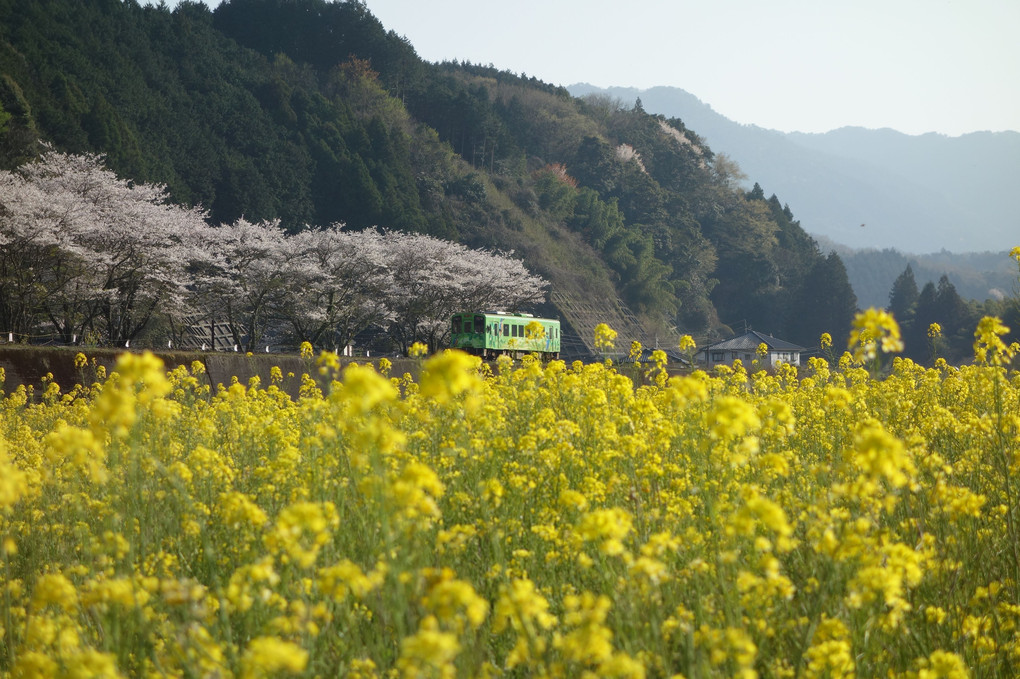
(479, 324)
(456, 325)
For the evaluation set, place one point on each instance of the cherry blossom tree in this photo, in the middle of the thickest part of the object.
(243, 280)
(88, 251)
(335, 283)
(32, 248)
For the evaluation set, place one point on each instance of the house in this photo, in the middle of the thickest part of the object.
(745, 348)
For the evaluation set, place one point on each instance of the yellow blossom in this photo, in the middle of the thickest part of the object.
(988, 345)
(943, 665)
(872, 330)
(428, 650)
(604, 337)
(55, 589)
(272, 657)
(449, 375)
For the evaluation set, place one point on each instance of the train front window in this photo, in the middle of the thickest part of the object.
(479, 324)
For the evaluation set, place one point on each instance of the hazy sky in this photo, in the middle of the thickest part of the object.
(950, 66)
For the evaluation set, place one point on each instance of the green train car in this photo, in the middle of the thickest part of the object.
(489, 334)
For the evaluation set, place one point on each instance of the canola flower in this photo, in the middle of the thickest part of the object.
(605, 337)
(988, 345)
(872, 331)
(526, 520)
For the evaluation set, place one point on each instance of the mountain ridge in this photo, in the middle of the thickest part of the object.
(910, 192)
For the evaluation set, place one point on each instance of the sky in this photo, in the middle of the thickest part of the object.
(916, 66)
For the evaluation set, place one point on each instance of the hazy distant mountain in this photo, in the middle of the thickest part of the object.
(867, 188)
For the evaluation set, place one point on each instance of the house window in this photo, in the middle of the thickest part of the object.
(717, 356)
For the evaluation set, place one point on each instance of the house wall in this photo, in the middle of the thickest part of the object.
(789, 357)
(713, 358)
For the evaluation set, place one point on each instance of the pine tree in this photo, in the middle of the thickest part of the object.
(825, 302)
(903, 298)
(915, 339)
(958, 321)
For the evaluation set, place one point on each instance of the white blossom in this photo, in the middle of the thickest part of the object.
(336, 282)
(88, 251)
(242, 281)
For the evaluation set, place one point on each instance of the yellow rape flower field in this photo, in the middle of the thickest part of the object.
(520, 520)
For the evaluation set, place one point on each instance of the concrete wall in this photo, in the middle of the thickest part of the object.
(28, 365)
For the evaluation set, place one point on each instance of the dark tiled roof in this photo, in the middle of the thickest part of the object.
(750, 342)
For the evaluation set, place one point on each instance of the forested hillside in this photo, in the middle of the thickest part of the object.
(312, 113)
